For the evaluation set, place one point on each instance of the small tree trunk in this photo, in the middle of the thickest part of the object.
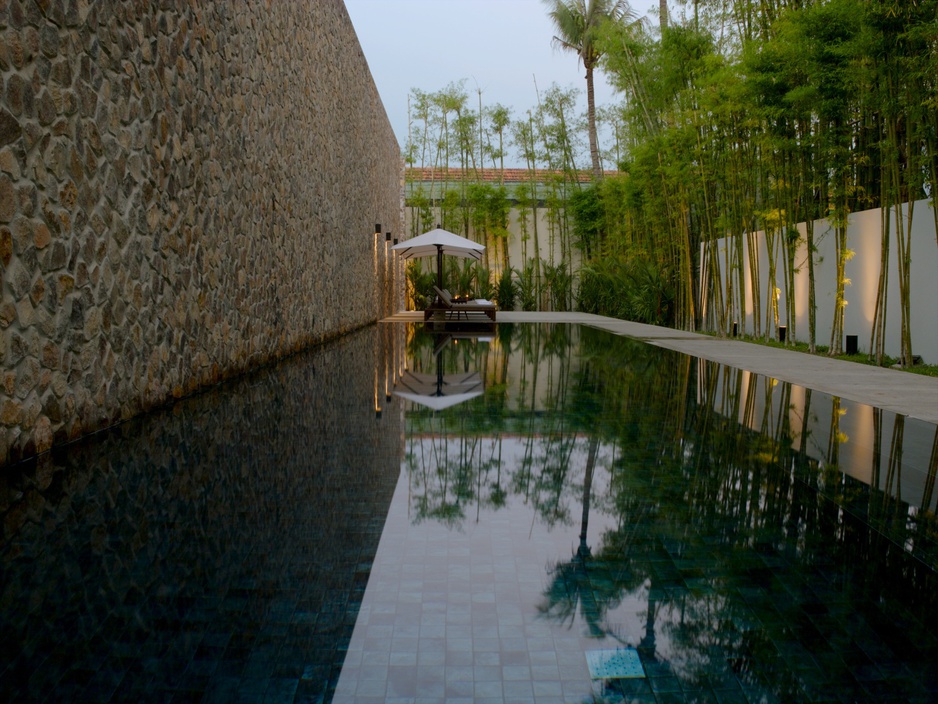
(812, 308)
(591, 117)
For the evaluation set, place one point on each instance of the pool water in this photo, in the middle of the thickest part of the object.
(406, 516)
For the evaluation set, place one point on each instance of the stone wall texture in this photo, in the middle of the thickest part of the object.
(187, 190)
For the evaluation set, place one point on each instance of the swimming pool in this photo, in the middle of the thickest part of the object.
(404, 516)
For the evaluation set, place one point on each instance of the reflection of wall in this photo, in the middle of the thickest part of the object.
(187, 190)
(234, 530)
(838, 431)
(864, 238)
(535, 382)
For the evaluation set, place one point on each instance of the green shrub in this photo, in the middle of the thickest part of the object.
(420, 285)
(527, 289)
(630, 289)
(506, 290)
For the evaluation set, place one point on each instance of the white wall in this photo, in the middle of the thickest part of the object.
(864, 238)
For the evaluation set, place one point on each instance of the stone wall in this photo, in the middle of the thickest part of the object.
(187, 190)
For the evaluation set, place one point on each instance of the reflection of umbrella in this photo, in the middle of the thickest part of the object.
(439, 242)
(439, 392)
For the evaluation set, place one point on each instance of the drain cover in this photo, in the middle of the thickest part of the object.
(621, 663)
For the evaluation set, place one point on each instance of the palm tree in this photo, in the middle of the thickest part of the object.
(577, 23)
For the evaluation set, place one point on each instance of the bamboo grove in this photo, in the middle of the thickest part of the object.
(738, 116)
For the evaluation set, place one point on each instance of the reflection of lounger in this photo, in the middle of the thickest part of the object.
(445, 305)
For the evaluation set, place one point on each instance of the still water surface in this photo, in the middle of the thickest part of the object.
(404, 516)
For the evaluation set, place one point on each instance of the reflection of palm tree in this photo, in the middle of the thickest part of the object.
(594, 584)
(572, 586)
(583, 549)
(591, 585)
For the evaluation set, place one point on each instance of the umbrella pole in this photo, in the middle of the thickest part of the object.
(439, 267)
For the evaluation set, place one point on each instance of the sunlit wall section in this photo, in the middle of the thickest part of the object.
(862, 271)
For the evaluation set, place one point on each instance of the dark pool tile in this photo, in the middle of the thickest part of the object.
(720, 679)
(253, 687)
(610, 692)
(736, 696)
(280, 691)
(102, 685)
(890, 688)
(258, 669)
(755, 693)
(222, 690)
(699, 697)
(655, 668)
(660, 685)
(292, 668)
(312, 692)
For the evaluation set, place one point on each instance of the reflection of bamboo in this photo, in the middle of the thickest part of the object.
(565, 447)
(805, 429)
(783, 429)
(766, 424)
(528, 460)
(678, 409)
(833, 440)
(735, 376)
(877, 447)
(710, 378)
(894, 469)
(587, 488)
(930, 478)
(749, 411)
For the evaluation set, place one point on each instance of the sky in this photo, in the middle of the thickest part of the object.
(499, 46)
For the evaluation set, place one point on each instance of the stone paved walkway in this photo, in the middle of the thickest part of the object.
(910, 394)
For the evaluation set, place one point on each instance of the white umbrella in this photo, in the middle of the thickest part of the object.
(439, 242)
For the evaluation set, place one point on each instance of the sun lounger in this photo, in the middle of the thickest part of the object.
(446, 307)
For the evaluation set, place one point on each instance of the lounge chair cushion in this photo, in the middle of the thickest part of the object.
(475, 306)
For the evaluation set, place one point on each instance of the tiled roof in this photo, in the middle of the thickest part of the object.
(418, 175)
